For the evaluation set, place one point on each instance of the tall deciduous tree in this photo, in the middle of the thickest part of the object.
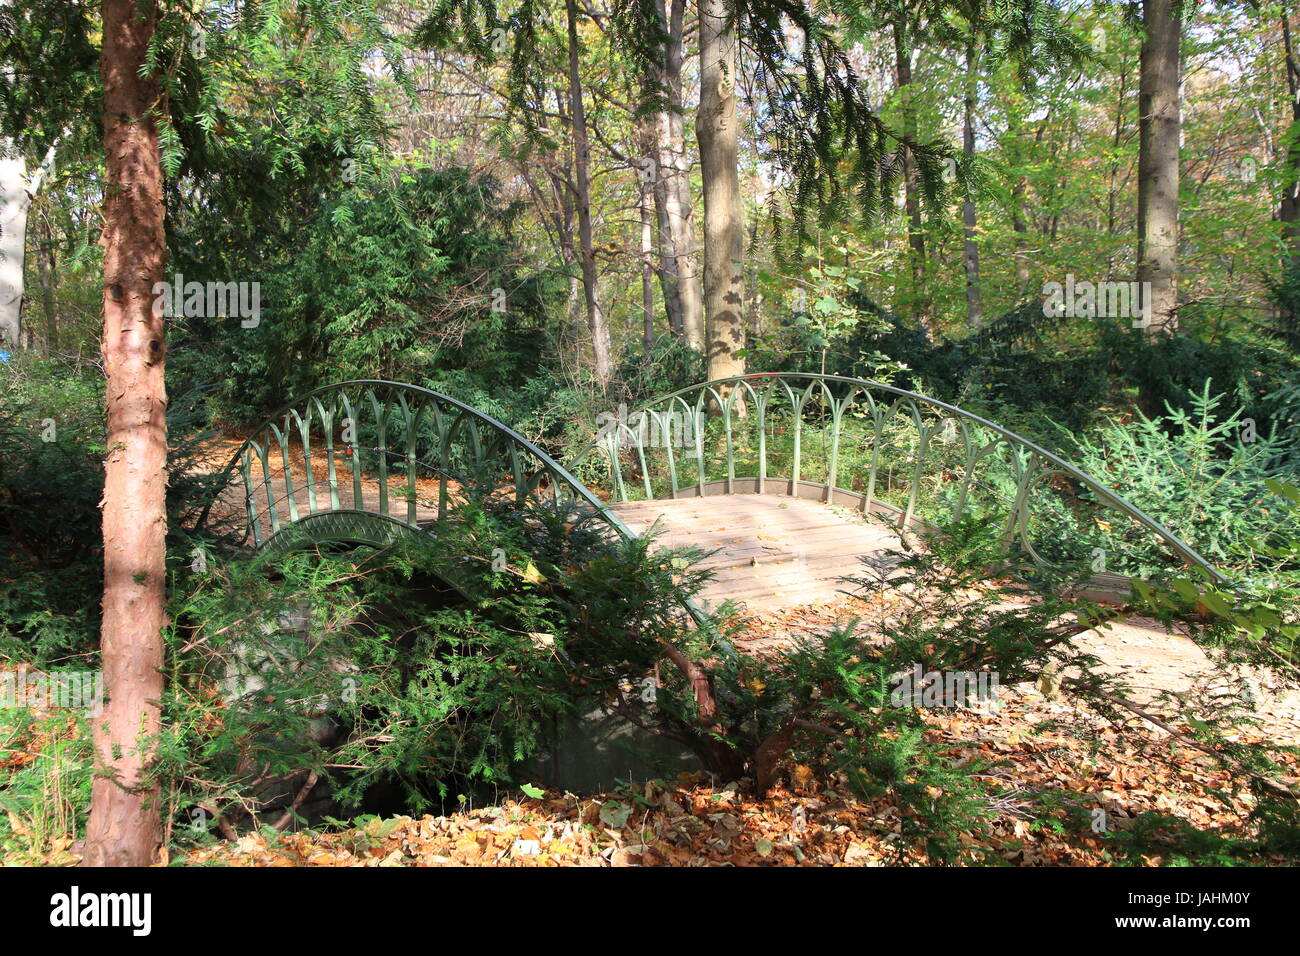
(678, 267)
(46, 72)
(597, 325)
(1288, 210)
(125, 815)
(18, 185)
(970, 241)
(724, 227)
(1158, 163)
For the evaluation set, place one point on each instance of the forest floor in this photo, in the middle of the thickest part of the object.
(806, 821)
(1030, 744)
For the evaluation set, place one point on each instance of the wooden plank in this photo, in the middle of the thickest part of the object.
(773, 552)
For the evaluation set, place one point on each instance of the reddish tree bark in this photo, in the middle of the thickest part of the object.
(125, 815)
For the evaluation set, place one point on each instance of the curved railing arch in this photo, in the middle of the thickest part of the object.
(883, 450)
(322, 467)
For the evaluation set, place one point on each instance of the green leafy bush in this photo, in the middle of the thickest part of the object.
(1200, 472)
(409, 277)
(44, 785)
(434, 669)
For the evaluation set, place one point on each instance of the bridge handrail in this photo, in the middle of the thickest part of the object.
(725, 398)
(268, 431)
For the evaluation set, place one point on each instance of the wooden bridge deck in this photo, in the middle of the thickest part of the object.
(771, 552)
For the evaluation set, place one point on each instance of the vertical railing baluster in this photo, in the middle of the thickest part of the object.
(700, 425)
(442, 426)
(304, 431)
(282, 438)
(410, 428)
(331, 469)
(263, 456)
(250, 502)
(352, 450)
(381, 413)
(833, 465)
(641, 438)
(796, 454)
(517, 472)
(971, 459)
(729, 445)
(1023, 474)
(922, 449)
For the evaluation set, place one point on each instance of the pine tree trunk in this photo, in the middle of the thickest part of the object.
(1158, 166)
(125, 815)
(596, 322)
(724, 228)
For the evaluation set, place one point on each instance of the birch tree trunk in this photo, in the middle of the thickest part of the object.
(724, 228)
(125, 814)
(17, 189)
(15, 200)
(1158, 166)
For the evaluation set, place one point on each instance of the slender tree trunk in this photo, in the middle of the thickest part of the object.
(1288, 212)
(678, 268)
(15, 201)
(1158, 166)
(971, 258)
(596, 322)
(724, 228)
(911, 185)
(646, 204)
(125, 814)
(1117, 138)
(666, 268)
(1020, 222)
(754, 298)
(17, 190)
(1021, 229)
(49, 279)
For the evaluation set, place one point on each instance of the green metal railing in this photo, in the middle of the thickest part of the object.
(886, 451)
(371, 432)
(371, 461)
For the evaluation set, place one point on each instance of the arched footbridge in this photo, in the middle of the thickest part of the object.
(788, 480)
